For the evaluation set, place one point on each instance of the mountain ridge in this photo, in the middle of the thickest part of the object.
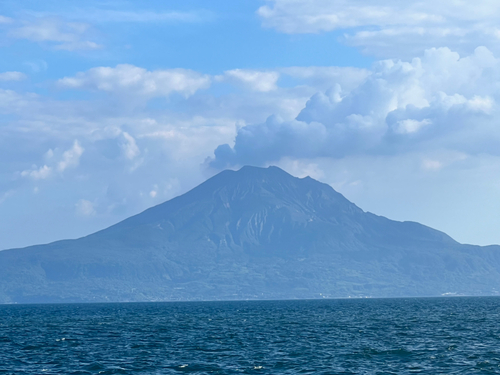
(252, 233)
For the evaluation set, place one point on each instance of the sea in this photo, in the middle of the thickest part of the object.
(351, 336)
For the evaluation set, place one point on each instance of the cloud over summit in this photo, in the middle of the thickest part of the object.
(437, 101)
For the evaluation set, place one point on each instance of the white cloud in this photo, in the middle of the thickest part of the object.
(481, 104)
(312, 16)
(38, 173)
(12, 76)
(262, 81)
(85, 208)
(391, 28)
(131, 80)
(438, 101)
(61, 35)
(71, 157)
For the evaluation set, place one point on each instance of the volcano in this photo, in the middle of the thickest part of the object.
(256, 233)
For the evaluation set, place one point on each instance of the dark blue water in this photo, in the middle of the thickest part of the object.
(398, 336)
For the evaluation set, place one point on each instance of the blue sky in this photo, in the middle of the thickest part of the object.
(110, 107)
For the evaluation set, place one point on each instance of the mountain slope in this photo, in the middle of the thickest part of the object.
(254, 233)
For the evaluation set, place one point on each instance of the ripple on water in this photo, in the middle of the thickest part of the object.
(394, 336)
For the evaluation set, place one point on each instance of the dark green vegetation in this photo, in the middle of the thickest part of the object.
(255, 233)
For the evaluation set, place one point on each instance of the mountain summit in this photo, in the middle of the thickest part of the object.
(256, 233)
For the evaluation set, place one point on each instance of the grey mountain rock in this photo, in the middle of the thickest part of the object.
(256, 233)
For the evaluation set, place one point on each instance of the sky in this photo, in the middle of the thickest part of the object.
(110, 107)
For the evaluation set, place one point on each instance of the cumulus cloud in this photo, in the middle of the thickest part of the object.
(390, 27)
(262, 81)
(71, 157)
(127, 79)
(440, 100)
(70, 36)
(12, 76)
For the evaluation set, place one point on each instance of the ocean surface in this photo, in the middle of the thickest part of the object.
(358, 336)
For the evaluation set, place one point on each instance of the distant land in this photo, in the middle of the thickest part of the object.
(256, 233)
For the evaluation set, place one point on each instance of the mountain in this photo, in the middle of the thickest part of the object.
(256, 233)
